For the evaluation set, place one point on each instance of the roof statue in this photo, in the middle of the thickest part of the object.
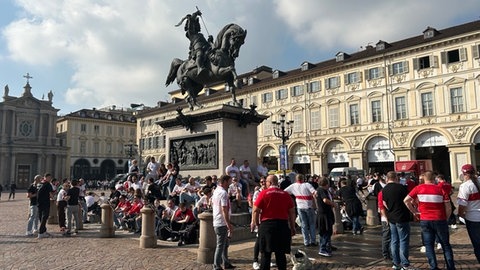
(208, 61)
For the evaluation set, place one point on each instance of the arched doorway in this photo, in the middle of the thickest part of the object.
(476, 141)
(107, 169)
(81, 169)
(301, 160)
(337, 156)
(269, 155)
(380, 157)
(433, 146)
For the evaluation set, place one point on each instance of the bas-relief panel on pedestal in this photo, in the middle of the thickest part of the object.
(195, 152)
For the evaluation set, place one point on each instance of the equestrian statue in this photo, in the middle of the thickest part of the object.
(208, 61)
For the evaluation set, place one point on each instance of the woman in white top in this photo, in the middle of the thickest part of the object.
(62, 205)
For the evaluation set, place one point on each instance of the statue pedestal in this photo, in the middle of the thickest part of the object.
(204, 141)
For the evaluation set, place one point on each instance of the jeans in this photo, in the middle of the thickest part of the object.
(307, 218)
(326, 241)
(399, 243)
(356, 226)
(73, 211)
(171, 184)
(221, 251)
(43, 212)
(386, 240)
(185, 198)
(430, 230)
(473, 228)
(32, 219)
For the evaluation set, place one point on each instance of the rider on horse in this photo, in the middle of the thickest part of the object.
(199, 46)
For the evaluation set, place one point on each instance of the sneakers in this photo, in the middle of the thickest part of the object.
(408, 268)
(35, 231)
(453, 226)
(272, 264)
(229, 266)
(43, 235)
(439, 246)
(423, 249)
(29, 234)
(256, 266)
(325, 254)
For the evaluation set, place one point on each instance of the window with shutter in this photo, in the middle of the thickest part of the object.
(475, 51)
(463, 54)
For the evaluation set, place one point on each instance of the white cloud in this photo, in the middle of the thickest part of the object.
(120, 51)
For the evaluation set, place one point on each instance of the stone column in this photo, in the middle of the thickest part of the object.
(148, 238)
(207, 240)
(106, 228)
(338, 225)
(372, 211)
(53, 215)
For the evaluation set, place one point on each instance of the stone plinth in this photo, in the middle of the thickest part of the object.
(207, 240)
(148, 238)
(53, 215)
(230, 132)
(338, 225)
(372, 211)
(106, 228)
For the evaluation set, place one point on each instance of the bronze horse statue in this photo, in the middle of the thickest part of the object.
(218, 65)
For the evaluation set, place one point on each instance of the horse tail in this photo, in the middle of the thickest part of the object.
(173, 71)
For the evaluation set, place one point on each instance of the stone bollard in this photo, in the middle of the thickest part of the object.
(53, 215)
(106, 228)
(148, 238)
(80, 217)
(372, 210)
(338, 225)
(207, 240)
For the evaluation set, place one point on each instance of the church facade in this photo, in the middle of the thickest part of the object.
(28, 139)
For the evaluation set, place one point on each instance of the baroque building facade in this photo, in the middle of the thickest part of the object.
(101, 142)
(417, 98)
(28, 141)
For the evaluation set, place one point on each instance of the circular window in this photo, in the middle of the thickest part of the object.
(95, 161)
(120, 161)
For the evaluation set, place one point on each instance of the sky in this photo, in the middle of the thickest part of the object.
(99, 53)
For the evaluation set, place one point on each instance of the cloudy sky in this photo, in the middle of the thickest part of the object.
(96, 53)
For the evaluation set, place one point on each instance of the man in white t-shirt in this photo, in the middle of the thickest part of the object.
(232, 169)
(304, 193)
(246, 177)
(152, 169)
(262, 170)
(221, 223)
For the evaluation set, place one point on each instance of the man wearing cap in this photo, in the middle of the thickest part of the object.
(468, 200)
(433, 210)
(33, 214)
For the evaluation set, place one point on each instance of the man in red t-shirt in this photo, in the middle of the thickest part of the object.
(433, 210)
(277, 224)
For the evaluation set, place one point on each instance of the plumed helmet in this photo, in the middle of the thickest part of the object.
(468, 168)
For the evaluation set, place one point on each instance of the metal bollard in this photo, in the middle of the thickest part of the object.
(106, 228)
(338, 225)
(207, 240)
(372, 211)
(148, 238)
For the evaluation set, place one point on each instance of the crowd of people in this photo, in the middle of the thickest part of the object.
(277, 206)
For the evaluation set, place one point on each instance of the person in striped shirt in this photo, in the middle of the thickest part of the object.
(432, 211)
(468, 200)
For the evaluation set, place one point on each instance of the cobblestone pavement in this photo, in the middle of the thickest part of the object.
(88, 251)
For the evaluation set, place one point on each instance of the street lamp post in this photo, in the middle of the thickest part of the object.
(283, 130)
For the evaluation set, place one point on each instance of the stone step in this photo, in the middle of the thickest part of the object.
(240, 219)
